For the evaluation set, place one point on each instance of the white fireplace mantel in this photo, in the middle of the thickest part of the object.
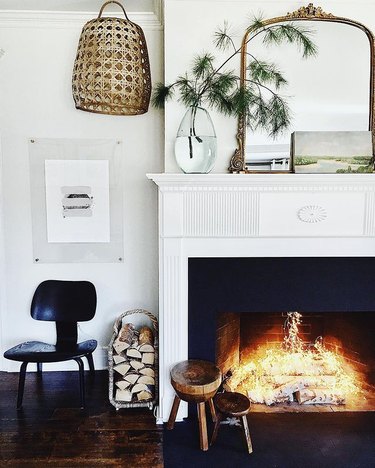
(250, 215)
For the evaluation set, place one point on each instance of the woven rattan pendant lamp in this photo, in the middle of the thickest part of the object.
(111, 72)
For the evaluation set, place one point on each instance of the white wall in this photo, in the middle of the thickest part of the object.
(36, 101)
(189, 28)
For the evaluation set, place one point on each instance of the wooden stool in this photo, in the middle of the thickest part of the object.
(234, 405)
(197, 382)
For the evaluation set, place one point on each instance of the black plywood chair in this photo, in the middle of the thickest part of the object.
(66, 303)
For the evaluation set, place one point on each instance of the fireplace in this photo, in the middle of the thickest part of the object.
(238, 309)
(330, 361)
(205, 219)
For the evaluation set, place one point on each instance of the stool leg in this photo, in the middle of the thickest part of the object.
(216, 428)
(212, 408)
(247, 434)
(202, 426)
(172, 416)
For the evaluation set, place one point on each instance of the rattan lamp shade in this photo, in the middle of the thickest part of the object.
(111, 72)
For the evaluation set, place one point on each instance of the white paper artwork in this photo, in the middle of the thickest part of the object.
(77, 200)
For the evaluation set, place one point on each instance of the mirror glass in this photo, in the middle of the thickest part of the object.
(329, 92)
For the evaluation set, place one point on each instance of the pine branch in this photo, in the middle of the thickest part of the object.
(223, 39)
(161, 94)
(189, 95)
(266, 72)
(293, 34)
(202, 66)
(258, 101)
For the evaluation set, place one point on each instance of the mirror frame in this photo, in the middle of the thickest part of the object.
(310, 13)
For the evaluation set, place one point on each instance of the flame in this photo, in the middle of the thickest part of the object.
(294, 370)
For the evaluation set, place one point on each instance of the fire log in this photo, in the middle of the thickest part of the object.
(146, 336)
(127, 334)
(122, 384)
(132, 378)
(134, 353)
(117, 358)
(146, 379)
(147, 371)
(123, 395)
(120, 346)
(139, 387)
(144, 395)
(148, 358)
(122, 368)
(313, 396)
(137, 365)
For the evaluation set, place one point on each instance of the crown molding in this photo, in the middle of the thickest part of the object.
(149, 20)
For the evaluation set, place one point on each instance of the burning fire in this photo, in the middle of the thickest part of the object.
(309, 373)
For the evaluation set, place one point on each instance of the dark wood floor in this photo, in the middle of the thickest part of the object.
(51, 430)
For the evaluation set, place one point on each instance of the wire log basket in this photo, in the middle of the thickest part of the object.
(111, 73)
(119, 323)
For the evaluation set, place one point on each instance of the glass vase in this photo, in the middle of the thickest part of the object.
(195, 146)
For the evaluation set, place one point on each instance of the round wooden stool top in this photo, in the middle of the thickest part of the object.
(232, 403)
(195, 380)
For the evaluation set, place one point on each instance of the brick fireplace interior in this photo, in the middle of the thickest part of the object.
(237, 304)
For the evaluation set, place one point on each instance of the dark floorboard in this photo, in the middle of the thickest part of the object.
(283, 440)
(51, 429)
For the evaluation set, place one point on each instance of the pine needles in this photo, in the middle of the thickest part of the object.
(219, 88)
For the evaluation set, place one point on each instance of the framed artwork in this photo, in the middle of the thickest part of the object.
(332, 152)
(76, 200)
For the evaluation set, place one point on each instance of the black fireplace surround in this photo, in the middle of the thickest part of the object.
(304, 284)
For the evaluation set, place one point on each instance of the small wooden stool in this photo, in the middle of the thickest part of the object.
(234, 405)
(195, 381)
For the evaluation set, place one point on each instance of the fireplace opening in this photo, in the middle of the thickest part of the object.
(299, 362)
(250, 299)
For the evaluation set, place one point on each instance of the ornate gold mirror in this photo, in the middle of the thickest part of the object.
(333, 91)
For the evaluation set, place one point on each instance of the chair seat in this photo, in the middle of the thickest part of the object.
(37, 351)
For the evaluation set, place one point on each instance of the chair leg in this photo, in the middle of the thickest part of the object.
(81, 381)
(21, 384)
(90, 361)
(39, 367)
(172, 416)
(212, 409)
(202, 426)
(247, 434)
(216, 428)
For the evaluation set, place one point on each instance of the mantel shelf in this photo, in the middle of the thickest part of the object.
(209, 180)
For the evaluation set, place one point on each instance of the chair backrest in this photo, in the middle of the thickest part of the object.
(64, 301)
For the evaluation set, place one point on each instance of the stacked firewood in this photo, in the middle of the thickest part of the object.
(134, 364)
(319, 386)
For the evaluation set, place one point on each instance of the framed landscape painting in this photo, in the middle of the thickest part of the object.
(332, 152)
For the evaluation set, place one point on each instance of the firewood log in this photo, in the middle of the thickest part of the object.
(122, 368)
(123, 395)
(117, 358)
(132, 378)
(147, 371)
(120, 346)
(146, 379)
(139, 387)
(127, 333)
(137, 365)
(133, 353)
(144, 395)
(146, 348)
(313, 396)
(122, 384)
(148, 358)
(146, 336)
